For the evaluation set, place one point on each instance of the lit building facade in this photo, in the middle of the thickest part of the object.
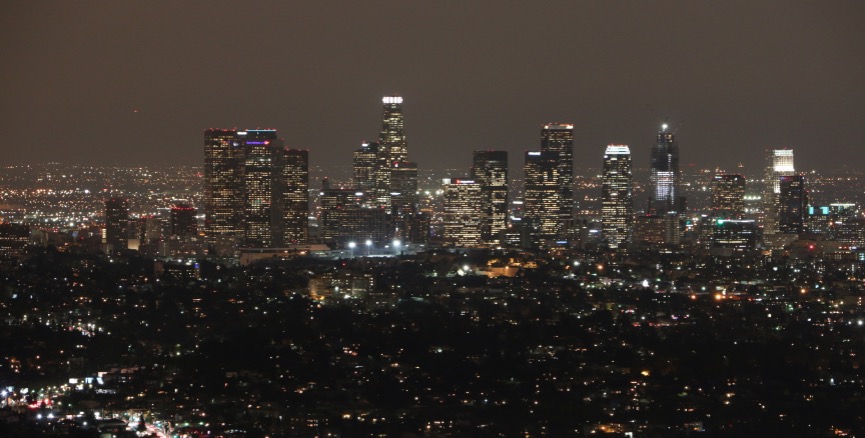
(295, 197)
(223, 188)
(365, 164)
(558, 139)
(779, 162)
(541, 205)
(792, 204)
(255, 190)
(183, 223)
(462, 218)
(665, 177)
(117, 223)
(490, 170)
(261, 188)
(728, 196)
(617, 206)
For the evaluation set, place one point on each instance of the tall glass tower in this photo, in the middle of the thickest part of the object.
(617, 206)
(558, 139)
(490, 170)
(664, 177)
(392, 135)
(295, 196)
(117, 223)
(541, 193)
(393, 175)
(779, 163)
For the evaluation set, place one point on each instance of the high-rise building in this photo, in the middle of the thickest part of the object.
(462, 218)
(664, 177)
(262, 172)
(403, 187)
(779, 162)
(223, 188)
(792, 203)
(490, 170)
(733, 236)
(394, 178)
(295, 197)
(345, 218)
(728, 196)
(392, 136)
(558, 138)
(541, 202)
(117, 223)
(365, 164)
(254, 189)
(183, 223)
(617, 206)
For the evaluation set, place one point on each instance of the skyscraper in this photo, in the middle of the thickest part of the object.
(664, 177)
(365, 164)
(779, 162)
(558, 138)
(728, 196)
(254, 189)
(295, 197)
(392, 135)
(490, 170)
(183, 223)
(262, 218)
(792, 203)
(223, 188)
(117, 223)
(617, 209)
(395, 178)
(541, 203)
(462, 218)
(403, 187)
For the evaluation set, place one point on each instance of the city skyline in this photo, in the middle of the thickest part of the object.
(133, 85)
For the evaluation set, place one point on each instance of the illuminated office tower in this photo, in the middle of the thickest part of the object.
(490, 170)
(462, 218)
(728, 196)
(262, 216)
(295, 197)
(664, 176)
(392, 136)
(779, 162)
(117, 223)
(541, 202)
(403, 187)
(394, 175)
(223, 188)
(183, 222)
(558, 138)
(365, 164)
(792, 204)
(617, 206)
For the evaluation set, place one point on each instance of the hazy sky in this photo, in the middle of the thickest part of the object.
(122, 82)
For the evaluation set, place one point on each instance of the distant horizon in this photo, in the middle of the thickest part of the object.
(138, 83)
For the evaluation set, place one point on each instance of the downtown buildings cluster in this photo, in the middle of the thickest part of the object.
(257, 200)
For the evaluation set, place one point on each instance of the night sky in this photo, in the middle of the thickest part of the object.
(135, 83)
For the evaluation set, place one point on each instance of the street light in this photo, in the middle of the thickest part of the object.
(396, 245)
(368, 246)
(351, 246)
